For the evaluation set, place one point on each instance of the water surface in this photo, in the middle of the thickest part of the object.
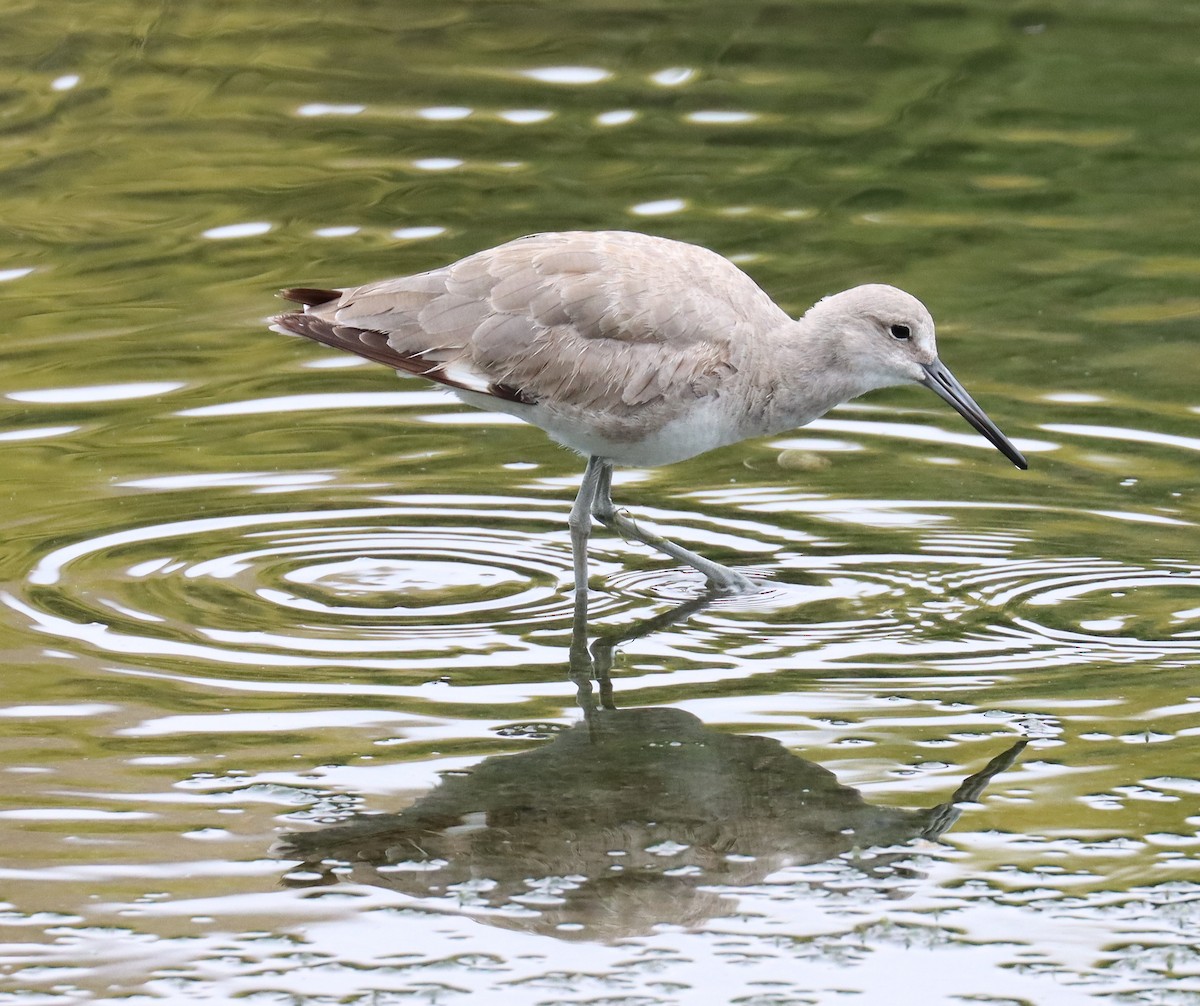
(271, 616)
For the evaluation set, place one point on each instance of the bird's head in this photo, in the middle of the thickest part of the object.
(885, 336)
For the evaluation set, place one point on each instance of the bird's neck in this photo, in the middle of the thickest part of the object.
(808, 375)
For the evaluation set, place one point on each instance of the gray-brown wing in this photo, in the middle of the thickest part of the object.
(577, 318)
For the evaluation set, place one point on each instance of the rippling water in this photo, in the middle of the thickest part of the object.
(298, 706)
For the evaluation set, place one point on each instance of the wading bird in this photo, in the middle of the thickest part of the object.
(633, 350)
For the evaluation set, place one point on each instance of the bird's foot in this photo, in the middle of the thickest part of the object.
(727, 583)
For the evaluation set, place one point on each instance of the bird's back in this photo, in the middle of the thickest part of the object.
(608, 320)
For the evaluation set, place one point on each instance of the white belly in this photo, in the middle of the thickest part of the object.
(703, 427)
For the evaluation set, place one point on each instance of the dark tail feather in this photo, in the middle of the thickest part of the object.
(361, 342)
(309, 296)
(375, 346)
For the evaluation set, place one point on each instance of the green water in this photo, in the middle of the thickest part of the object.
(249, 594)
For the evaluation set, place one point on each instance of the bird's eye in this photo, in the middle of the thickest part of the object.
(901, 332)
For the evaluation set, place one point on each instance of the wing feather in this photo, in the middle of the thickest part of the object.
(572, 320)
(452, 316)
(515, 291)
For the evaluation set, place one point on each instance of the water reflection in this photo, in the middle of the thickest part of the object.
(627, 820)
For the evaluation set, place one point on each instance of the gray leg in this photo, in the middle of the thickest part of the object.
(721, 579)
(580, 519)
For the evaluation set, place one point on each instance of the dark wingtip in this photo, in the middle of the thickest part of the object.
(309, 296)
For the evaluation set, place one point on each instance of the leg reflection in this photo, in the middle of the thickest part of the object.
(593, 663)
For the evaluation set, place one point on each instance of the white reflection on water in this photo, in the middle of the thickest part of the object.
(1123, 433)
(444, 113)
(568, 74)
(243, 230)
(618, 117)
(96, 392)
(418, 233)
(317, 109)
(38, 433)
(922, 434)
(321, 402)
(659, 207)
(674, 76)
(717, 117)
(525, 116)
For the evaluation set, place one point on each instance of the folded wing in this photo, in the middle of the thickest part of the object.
(577, 319)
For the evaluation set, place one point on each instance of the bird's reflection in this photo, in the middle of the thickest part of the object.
(629, 819)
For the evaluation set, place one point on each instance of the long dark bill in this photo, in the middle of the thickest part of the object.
(940, 379)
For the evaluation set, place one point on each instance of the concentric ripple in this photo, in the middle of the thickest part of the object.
(426, 583)
(413, 583)
(984, 612)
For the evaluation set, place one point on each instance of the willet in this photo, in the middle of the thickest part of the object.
(633, 350)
